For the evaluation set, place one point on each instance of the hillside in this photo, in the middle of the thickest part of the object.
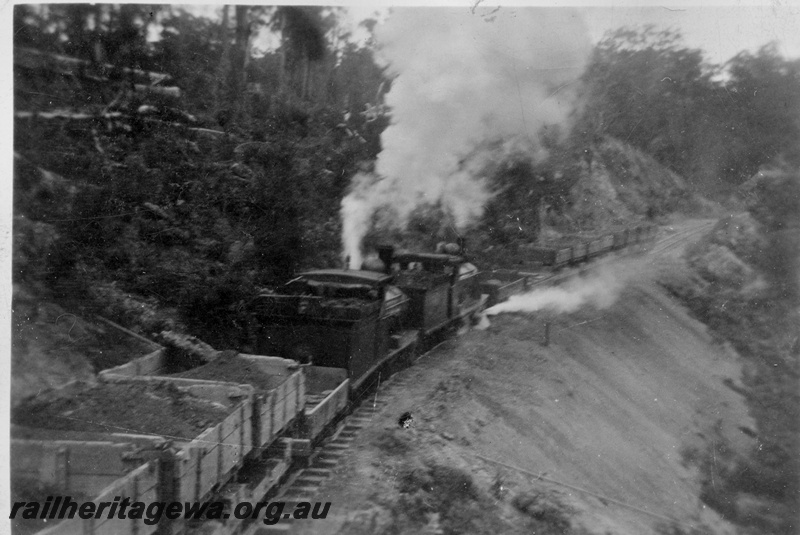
(614, 405)
(742, 280)
(134, 204)
(185, 255)
(145, 211)
(606, 186)
(621, 183)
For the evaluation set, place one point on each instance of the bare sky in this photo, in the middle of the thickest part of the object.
(721, 29)
(721, 32)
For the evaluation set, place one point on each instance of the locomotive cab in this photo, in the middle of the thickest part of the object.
(440, 287)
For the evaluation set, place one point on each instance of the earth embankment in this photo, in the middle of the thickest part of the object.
(611, 406)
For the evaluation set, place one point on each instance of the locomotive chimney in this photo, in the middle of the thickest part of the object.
(386, 254)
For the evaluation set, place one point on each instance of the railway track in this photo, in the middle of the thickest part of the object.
(679, 237)
(304, 486)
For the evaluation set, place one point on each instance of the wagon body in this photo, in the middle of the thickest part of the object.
(90, 466)
(620, 239)
(580, 251)
(274, 409)
(327, 392)
(209, 460)
(165, 467)
(500, 284)
(598, 245)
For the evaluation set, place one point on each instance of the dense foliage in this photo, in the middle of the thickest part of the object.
(715, 125)
(192, 202)
(747, 293)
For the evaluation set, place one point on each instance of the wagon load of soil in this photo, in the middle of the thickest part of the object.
(136, 408)
(230, 367)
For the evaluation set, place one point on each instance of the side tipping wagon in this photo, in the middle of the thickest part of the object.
(500, 284)
(346, 319)
(278, 384)
(579, 245)
(327, 398)
(554, 255)
(599, 245)
(279, 399)
(205, 462)
(83, 470)
(147, 438)
(620, 238)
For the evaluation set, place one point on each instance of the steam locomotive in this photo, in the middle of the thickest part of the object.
(360, 320)
(330, 334)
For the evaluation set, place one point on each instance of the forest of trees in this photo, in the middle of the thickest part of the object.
(240, 176)
(216, 59)
(715, 125)
(233, 166)
(232, 162)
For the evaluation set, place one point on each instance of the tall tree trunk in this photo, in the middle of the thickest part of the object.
(242, 41)
(282, 70)
(98, 50)
(224, 62)
(239, 63)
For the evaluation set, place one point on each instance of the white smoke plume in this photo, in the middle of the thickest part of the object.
(600, 288)
(463, 77)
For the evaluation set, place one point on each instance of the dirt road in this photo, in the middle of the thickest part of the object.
(608, 407)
